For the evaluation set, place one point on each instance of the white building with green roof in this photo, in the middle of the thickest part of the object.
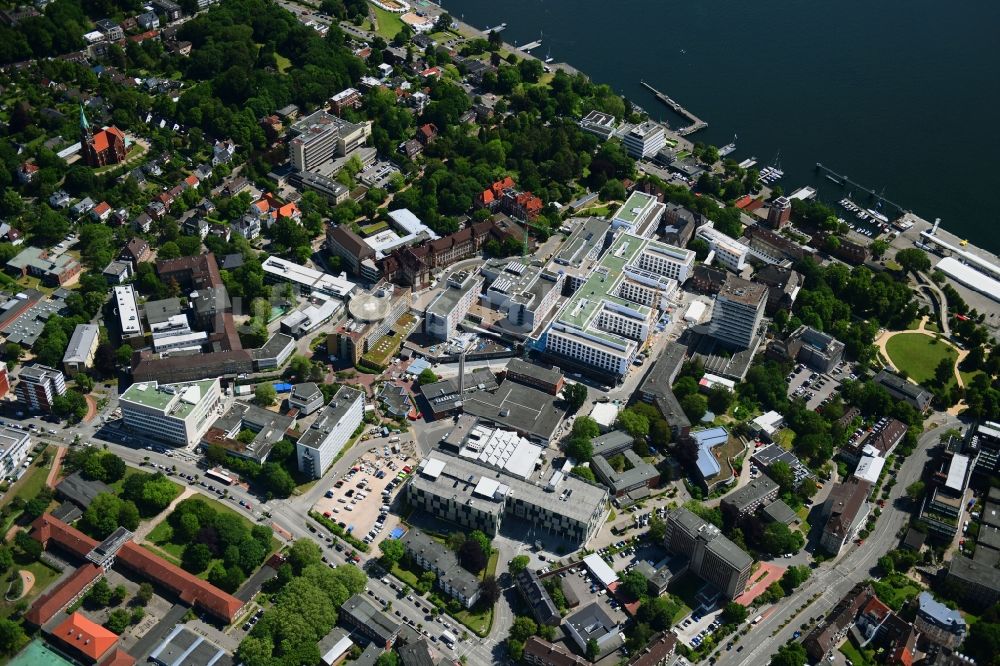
(610, 316)
(177, 414)
(640, 214)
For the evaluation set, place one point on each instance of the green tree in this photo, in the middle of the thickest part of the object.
(778, 539)
(523, 628)
(118, 621)
(719, 399)
(593, 650)
(124, 356)
(100, 593)
(586, 426)
(303, 553)
(580, 449)
(426, 377)
(519, 563)
(913, 259)
(915, 491)
(634, 583)
(790, 654)
(392, 552)
(695, 406)
(471, 556)
(734, 613)
(634, 423)
(12, 636)
(118, 595)
(781, 473)
(196, 557)
(265, 395)
(793, 577)
(657, 529)
(575, 395)
(144, 594)
(584, 472)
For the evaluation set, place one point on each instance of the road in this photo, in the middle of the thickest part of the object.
(832, 579)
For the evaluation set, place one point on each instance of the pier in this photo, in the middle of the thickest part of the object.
(844, 181)
(530, 45)
(496, 28)
(696, 122)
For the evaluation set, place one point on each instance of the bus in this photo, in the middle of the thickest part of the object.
(448, 639)
(217, 474)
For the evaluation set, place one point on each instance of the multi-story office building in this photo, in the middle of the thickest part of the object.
(14, 448)
(986, 442)
(305, 397)
(38, 387)
(332, 429)
(177, 414)
(639, 215)
(478, 498)
(128, 312)
(645, 140)
(944, 506)
(739, 310)
(745, 501)
(525, 292)
(711, 556)
(612, 313)
(727, 250)
(443, 314)
(818, 350)
(314, 141)
(434, 556)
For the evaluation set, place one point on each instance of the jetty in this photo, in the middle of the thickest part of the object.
(844, 181)
(696, 123)
(530, 45)
(496, 28)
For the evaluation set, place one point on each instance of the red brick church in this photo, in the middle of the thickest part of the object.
(106, 146)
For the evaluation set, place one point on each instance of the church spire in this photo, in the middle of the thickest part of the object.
(84, 125)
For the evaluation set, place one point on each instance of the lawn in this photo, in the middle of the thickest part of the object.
(44, 576)
(284, 64)
(918, 354)
(895, 590)
(33, 480)
(857, 658)
(159, 539)
(388, 23)
(784, 438)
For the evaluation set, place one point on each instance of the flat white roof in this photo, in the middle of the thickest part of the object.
(695, 312)
(869, 468)
(410, 222)
(605, 413)
(769, 422)
(128, 310)
(600, 569)
(970, 277)
(501, 449)
(308, 277)
(956, 472)
(433, 468)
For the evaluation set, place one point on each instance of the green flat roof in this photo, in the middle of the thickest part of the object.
(637, 200)
(597, 289)
(149, 394)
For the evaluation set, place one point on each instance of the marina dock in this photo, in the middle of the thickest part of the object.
(530, 45)
(696, 122)
(844, 181)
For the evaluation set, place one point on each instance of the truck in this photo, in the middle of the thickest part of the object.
(393, 440)
(448, 639)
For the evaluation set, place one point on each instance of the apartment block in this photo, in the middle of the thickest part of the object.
(314, 141)
(639, 215)
(332, 429)
(726, 250)
(478, 497)
(645, 140)
(845, 512)
(38, 387)
(434, 556)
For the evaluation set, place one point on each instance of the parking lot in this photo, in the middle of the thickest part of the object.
(360, 499)
(693, 629)
(378, 174)
(815, 388)
(588, 589)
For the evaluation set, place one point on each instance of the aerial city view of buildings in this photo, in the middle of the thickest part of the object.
(356, 335)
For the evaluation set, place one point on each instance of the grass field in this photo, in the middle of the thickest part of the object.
(33, 480)
(44, 576)
(918, 354)
(284, 64)
(856, 657)
(388, 23)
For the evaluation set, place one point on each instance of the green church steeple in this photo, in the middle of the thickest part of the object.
(84, 125)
